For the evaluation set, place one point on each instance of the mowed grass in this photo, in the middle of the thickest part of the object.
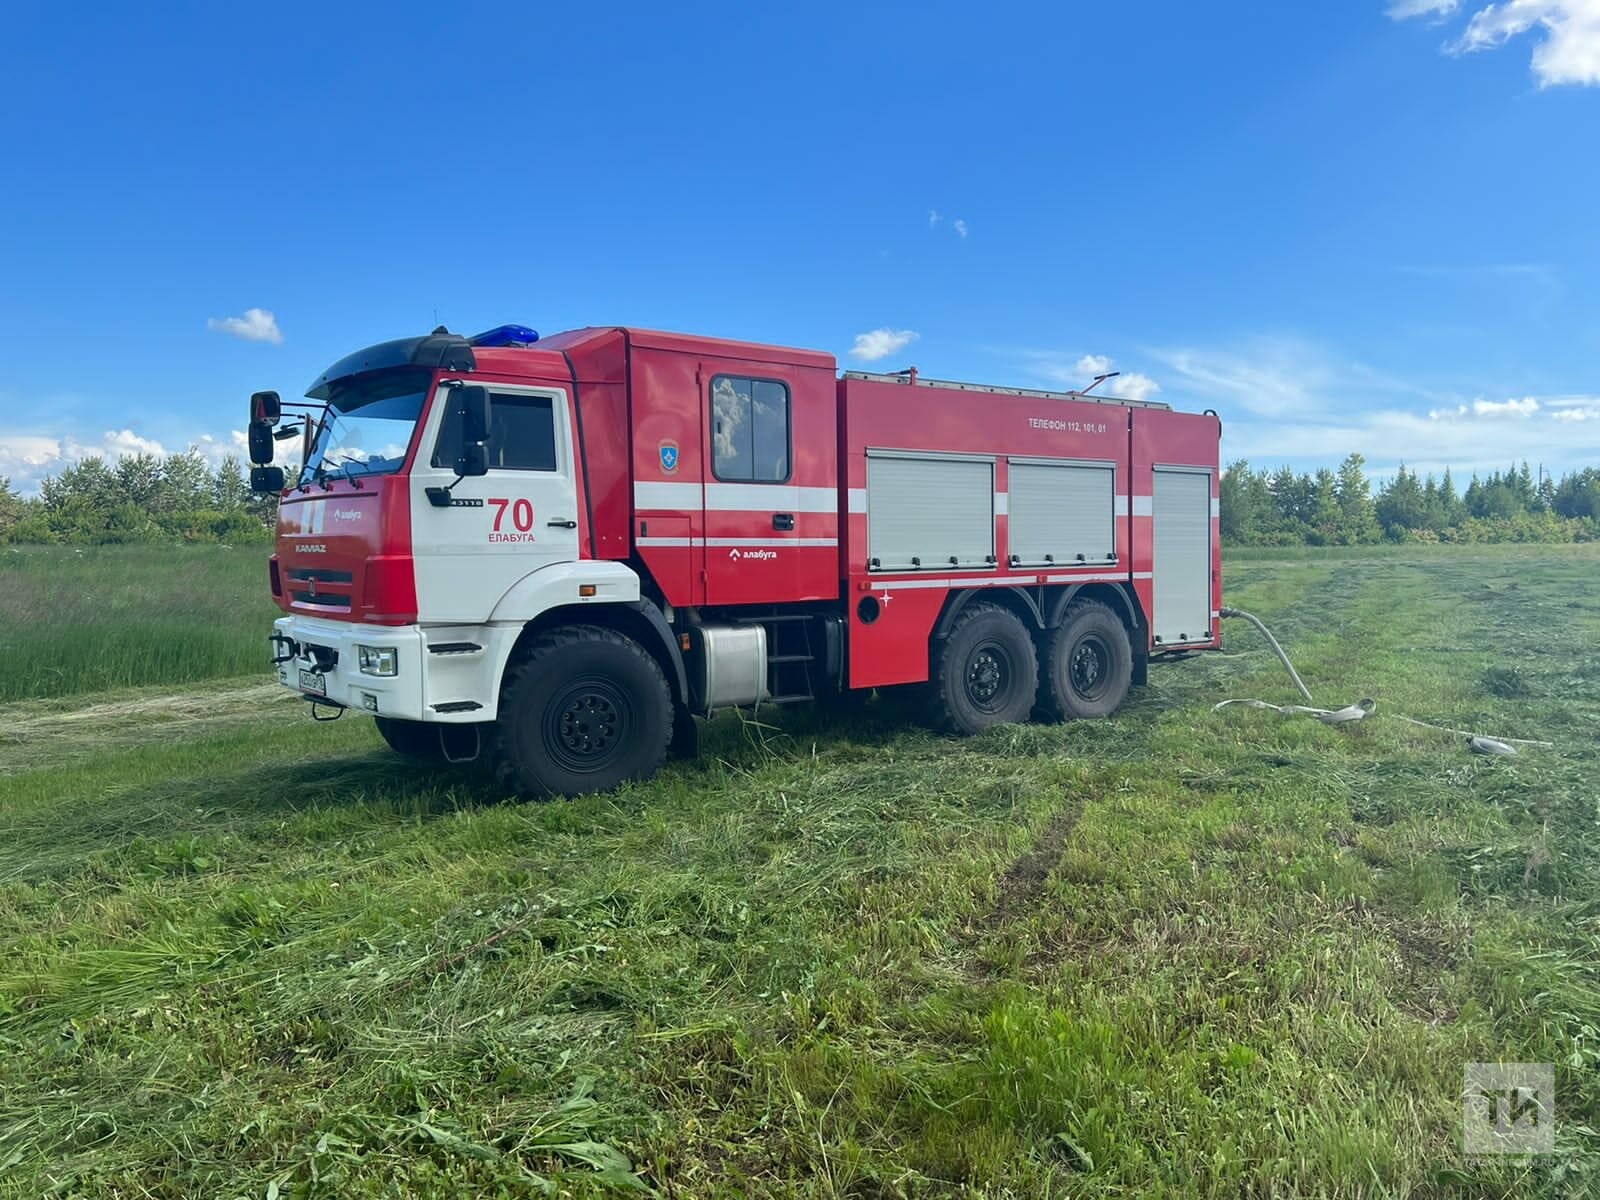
(1175, 954)
(84, 619)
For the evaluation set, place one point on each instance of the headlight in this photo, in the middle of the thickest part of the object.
(377, 660)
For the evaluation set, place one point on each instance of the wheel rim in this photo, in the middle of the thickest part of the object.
(587, 724)
(1089, 667)
(988, 677)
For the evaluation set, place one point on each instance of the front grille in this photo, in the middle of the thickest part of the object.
(321, 599)
(320, 574)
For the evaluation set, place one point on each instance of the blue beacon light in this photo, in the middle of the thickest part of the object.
(505, 335)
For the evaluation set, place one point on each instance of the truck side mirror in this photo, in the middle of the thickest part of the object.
(265, 411)
(472, 403)
(260, 438)
(266, 479)
(265, 408)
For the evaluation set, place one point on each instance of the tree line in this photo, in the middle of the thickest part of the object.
(180, 498)
(1339, 508)
(140, 498)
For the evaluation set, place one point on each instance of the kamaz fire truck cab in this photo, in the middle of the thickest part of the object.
(554, 553)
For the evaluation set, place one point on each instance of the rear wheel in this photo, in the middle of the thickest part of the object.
(583, 709)
(413, 739)
(986, 672)
(1090, 663)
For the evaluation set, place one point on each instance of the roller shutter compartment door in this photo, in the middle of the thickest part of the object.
(929, 513)
(1182, 543)
(1062, 513)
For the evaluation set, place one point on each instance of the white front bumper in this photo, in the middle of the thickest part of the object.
(455, 686)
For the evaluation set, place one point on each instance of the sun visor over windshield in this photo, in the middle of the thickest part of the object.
(441, 351)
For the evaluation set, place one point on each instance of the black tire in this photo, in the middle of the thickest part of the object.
(412, 739)
(986, 672)
(582, 709)
(1089, 663)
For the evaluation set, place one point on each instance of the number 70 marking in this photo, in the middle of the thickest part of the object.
(521, 512)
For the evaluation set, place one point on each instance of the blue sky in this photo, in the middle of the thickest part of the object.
(1346, 226)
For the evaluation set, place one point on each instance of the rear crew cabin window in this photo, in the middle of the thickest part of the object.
(750, 429)
(522, 434)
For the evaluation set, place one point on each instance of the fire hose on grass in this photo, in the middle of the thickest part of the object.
(1478, 743)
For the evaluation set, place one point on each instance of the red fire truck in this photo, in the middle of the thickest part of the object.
(554, 553)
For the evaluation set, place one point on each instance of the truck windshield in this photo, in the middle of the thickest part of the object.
(368, 424)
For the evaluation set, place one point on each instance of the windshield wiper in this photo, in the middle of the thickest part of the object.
(363, 463)
(322, 471)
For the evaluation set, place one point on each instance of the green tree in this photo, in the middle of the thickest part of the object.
(1327, 517)
(1357, 520)
(231, 488)
(186, 482)
(1403, 504)
(1291, 496)
(12, 509)
(1450, 506)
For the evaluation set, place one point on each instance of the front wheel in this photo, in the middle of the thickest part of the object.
(1089, 664)
(583, 709)
(986, 672)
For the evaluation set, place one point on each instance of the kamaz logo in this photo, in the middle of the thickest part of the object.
(735, 554)
(347, 514)
(312, 548)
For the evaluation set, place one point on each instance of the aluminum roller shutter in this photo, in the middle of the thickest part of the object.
(1059, 511)
(929, 513)
(1182, 543)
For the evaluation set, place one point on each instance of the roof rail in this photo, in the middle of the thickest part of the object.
(912, 379)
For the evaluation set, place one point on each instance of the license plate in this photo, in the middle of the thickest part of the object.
(314, 682)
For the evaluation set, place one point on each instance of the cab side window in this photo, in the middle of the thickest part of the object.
(522, 433)
(750, 429)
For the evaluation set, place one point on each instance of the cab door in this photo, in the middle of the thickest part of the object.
(492, 530)
(771, 517)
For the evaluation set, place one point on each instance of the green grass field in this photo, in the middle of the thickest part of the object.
(82, 619)
(1176, 954)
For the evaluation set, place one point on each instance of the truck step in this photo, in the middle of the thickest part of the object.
(454, 706)
(791, 698)
(790, 658)
(455, 648)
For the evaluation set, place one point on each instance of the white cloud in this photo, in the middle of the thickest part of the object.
(1269, 376)
(256, 325)
(880, 343)
(1569, 52)
(933, 217)
(233, 445)
(22, 453)
(1400, 10)
(1524, 407)
(959, 226)
(1131, 385)
(1573, 408)
(1074, 373)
